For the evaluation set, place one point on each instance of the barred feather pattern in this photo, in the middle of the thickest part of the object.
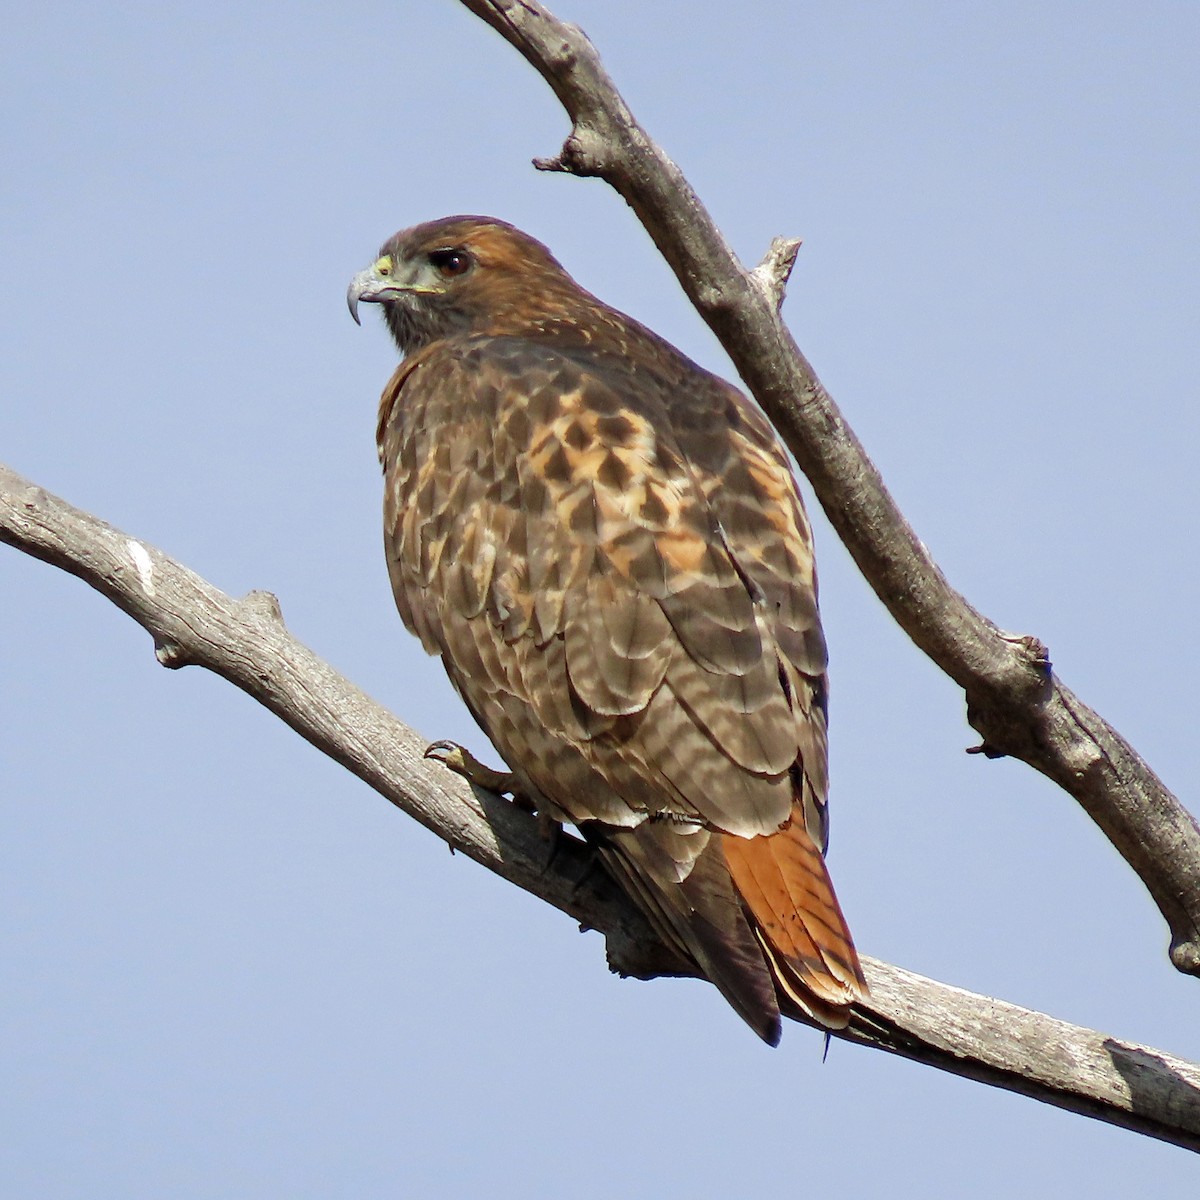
(605, 545)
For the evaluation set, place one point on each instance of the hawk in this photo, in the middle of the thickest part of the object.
(605, 545)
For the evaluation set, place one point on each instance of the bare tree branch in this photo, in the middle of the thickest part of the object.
(1013, 698)
(246, 642)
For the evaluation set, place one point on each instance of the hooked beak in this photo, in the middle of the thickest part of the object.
(371, 288)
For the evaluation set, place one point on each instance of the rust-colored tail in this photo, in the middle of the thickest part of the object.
(757, 915)
(783, 882)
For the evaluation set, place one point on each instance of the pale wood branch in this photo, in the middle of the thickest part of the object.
(1013, 697)
(246, 642)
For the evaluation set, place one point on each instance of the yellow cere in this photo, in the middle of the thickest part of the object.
(383, 266)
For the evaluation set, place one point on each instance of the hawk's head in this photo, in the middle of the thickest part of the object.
(464, 275)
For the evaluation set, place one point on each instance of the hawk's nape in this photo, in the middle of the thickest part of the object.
(605, 545)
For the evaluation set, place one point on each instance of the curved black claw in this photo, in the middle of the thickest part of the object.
(462, 762)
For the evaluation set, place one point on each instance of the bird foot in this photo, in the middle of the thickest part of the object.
(462, 762)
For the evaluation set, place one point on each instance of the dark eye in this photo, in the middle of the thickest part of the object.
(451, 263)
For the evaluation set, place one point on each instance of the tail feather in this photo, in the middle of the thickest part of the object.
(700, 915)
(797, 919)
(757, 915)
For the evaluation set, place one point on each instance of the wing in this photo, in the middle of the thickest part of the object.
(611, 558)
(744, 475)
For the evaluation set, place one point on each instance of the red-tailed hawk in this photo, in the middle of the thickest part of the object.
(605, 545)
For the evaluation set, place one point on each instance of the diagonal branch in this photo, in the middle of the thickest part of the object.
(246, 642)
(1013, 698)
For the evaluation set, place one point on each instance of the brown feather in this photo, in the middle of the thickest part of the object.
(607, 548)
(698, 910)
(785, 885)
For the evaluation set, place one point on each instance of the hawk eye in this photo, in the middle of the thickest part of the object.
(451, 263)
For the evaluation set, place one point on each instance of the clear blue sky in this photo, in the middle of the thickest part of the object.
(227, 968)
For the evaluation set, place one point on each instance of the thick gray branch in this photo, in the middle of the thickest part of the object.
(246, 642)
(1013, 698)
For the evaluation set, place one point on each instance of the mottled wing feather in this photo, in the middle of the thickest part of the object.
(617, 644)
(668, 748)
(747, 481)
(562, 528)
(745, 715)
